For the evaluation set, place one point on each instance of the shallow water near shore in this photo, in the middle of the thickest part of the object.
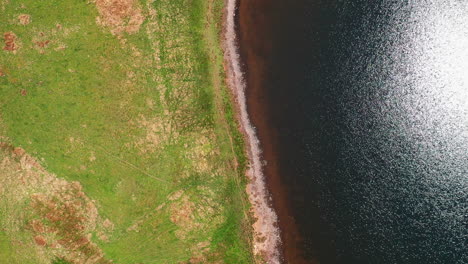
(362, 112)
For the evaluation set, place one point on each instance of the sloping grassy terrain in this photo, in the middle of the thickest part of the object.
(118, 139)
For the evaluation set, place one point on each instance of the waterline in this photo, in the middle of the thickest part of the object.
(266, 238)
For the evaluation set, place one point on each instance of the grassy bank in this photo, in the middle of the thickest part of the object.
(126, 102)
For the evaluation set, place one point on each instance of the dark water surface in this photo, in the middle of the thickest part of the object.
(365, 107)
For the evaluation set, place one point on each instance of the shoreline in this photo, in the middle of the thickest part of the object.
(254, 47)
(266, 236)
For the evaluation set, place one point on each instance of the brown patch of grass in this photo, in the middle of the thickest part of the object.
(19, 152)
(40, 240)
(201, 250)
(187, 215)
(60, 216)
(201, 152)
(42, 44)
(176, 195)
(197, 259)
(42, 41)
(24, 19)
(157, 132)
(10, 41)
(120, 15)
(70, 217)
(37, 226)
(182, 214)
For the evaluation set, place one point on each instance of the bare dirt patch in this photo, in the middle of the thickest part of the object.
(120, 15)
(10, 41)
(24, 19)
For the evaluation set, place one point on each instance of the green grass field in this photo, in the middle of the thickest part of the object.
(127, 99)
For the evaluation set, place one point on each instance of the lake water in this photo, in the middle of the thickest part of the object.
(362, 111)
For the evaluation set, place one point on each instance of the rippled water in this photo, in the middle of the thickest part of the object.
(370, 99)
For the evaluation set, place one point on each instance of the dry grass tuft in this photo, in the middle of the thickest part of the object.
(24, 19)
(182, 214)
(157, 131)
(120, 15)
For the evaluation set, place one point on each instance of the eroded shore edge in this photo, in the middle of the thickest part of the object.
(267, 238)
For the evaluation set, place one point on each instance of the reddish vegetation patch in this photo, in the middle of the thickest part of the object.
(42, 44)
(2, 73)
(120, 15)
(24, 19)
(23, 92)
(59, 213)
(10, 41)
(40, 240)
(182, 214)
(68, 215)
(198, 259)
(19, 151)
